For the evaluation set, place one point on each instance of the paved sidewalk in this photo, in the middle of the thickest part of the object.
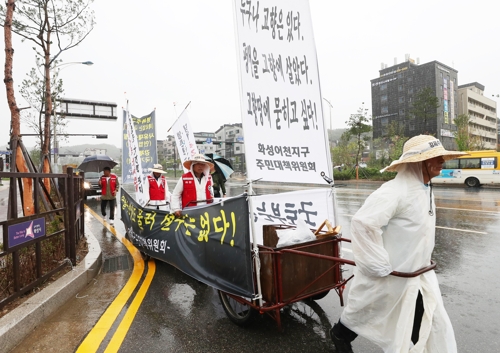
(20, 322)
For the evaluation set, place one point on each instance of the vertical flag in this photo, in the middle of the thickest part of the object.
(145, 128)
(184, 137)
(135, 161)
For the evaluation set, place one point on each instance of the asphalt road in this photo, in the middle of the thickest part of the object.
(179, 314)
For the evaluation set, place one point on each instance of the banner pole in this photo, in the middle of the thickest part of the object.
(183, 110)
(255, 249)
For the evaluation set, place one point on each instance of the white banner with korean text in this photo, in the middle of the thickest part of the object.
(135, 162)
(281, 102)
(312, 206)
(184, 138)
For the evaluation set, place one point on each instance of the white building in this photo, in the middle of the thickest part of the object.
(482, 112)
(230, 138)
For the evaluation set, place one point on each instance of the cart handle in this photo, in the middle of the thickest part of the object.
(349, 262)
(416, 273)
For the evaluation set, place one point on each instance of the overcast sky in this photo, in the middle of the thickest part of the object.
(157, 53)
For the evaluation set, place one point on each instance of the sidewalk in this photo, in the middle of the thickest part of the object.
(20, 322)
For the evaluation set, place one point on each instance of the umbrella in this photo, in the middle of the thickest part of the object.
(96, 163)
(221, 164)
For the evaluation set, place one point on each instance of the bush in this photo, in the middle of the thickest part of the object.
(363, 173)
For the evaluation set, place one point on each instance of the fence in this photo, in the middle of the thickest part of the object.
(38, 246)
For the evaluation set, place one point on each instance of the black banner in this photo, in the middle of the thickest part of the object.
(210, 243)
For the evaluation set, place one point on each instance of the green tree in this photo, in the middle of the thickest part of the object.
(464, 139)
(344, 151)
(424, 107)
(358, 128)
(390, 147)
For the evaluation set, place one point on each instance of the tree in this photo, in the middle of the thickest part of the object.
(358, 127)
(464, 139)
(425, 107)
(342, 154)
(392, 144)
(33, 91)
(18, 161)
(62, 24)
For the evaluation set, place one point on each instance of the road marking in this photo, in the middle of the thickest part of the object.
(93, 340)
(459, 230)
(117, 340)
(462, 230)
(467, 209)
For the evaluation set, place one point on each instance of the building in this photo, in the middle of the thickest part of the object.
(394, 92)
(482, 112)
(230, 138)
(205, 141)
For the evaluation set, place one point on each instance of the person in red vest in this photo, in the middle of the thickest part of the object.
(158, 188)
(195, 185)
(109, 188)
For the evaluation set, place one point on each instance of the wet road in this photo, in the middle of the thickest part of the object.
(179, 314)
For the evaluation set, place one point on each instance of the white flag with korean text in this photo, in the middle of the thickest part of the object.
(184, 138)
(281, 103)
(135, 162)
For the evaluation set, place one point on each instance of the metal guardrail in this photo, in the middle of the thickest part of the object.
(27, 263)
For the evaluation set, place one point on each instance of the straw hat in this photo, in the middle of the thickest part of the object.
(157, 168)
(421, 148)
(197, 158)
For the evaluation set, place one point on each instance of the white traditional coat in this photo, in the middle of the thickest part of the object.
(393, 231)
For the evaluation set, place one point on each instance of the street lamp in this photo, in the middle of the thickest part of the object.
(56, 145)
(331, 106)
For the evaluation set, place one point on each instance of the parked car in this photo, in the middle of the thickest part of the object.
(91, 184)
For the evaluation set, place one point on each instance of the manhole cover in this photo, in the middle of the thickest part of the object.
(118, 263)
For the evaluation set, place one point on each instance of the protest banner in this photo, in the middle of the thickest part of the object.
(282, 114)
(210, 243)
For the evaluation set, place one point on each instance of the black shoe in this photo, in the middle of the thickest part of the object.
(341, 345)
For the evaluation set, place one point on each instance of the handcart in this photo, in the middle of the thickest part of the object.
(293, 273)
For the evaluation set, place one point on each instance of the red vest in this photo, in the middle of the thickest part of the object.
(156, 192)
(112, 183)
(189, 190)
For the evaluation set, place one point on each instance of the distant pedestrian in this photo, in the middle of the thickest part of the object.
(109, 188)
(218, 184)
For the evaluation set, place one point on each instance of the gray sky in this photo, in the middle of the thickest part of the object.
(161, 52)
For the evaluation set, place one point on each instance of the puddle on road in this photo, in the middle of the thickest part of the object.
(182, 295)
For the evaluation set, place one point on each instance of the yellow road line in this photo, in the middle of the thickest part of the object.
(127, 320)
(93, 340)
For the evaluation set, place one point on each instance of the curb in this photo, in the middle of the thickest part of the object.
(20, 322)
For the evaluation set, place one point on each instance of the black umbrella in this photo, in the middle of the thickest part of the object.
(221, 164)
(96, 163)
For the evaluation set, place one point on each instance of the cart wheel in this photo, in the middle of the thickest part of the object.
(319, 295)
(240, 314)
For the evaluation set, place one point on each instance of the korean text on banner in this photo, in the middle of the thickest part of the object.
(184, 138)
(281, 101)
(311, 206)
(146, 137)
(135, 162)
(210, 243)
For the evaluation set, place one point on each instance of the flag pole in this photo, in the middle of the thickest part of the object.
(179, 116)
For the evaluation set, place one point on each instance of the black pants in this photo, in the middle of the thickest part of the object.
(111, 208)
(343, 332)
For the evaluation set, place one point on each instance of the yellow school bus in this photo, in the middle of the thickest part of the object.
(479, 168)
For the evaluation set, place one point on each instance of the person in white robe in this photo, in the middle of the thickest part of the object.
(394, 231)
